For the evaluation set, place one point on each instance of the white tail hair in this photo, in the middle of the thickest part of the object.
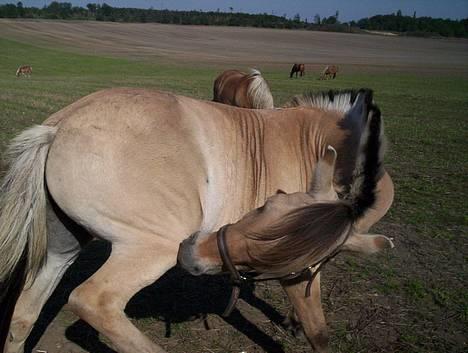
(259, 91)
(23, 202)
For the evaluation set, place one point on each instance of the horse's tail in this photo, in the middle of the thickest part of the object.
(258, 91)
(23, 236)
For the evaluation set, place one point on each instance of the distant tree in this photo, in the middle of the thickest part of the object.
(317, 19)
(297, 18)
(9, 11)
(20, 9)
(399, 14)
(106, 10)
(92, 8)
(329, 20)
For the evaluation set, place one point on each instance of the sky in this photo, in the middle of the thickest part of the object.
(348, 9)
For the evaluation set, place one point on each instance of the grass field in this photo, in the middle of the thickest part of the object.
(411, 299)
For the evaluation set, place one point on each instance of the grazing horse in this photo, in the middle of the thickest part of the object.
(245, 90)
(24, 70)
(143, 170)
(329, 72)
(297, 68)
(296, 233)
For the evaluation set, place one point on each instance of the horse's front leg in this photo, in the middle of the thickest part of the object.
(308, 310)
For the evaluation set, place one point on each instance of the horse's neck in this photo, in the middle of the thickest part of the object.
(264, 151)
(280, 150)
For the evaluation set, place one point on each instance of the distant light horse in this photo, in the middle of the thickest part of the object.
(24, 70)
(245, 90)
(297, 68)
(329, 72)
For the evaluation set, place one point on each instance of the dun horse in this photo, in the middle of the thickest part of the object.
(24, 70)
(329, 72)
(245, 90)
(297, 68)
(144, 170)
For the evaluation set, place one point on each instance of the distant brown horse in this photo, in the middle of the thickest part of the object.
(24, 70)
(245, 90)
(297, 68)
(329, 72)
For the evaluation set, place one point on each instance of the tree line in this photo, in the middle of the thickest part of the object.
(410, 25)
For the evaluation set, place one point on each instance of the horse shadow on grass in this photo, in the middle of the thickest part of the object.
(175, 297)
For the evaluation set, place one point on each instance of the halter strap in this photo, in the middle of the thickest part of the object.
(236, 278)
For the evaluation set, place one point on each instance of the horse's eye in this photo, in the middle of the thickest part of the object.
(279, 191)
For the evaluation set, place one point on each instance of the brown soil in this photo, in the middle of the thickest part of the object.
(246, 46)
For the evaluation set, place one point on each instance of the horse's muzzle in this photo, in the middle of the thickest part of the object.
(185, 257)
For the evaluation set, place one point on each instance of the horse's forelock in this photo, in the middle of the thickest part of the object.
(301, 238)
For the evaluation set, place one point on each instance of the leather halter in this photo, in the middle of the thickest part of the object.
(237, 278)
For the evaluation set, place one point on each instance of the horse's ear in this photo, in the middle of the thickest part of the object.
(322, 181)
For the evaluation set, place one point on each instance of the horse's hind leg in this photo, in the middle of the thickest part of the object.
(308, 311)
(32, 300)
(101, 300)
(62, 250)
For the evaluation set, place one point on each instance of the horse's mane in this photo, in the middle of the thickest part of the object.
(341, 101)
(259, 91)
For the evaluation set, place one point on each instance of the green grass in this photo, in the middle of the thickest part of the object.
(426, 120)
(425, 117)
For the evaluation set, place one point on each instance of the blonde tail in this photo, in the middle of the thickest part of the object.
(23, 203)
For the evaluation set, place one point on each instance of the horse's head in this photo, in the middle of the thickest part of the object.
(288, 233)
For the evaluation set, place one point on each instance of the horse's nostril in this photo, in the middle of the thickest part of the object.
(193, 238)
(196, 269)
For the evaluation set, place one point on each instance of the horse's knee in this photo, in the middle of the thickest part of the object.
(91, 304)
